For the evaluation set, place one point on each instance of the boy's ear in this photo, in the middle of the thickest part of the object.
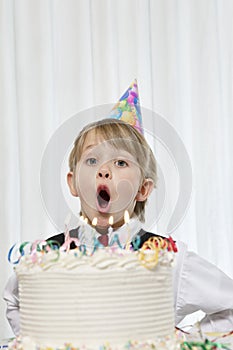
(70, 181)
(145, 190)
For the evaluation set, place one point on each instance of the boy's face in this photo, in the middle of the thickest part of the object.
(107, 180)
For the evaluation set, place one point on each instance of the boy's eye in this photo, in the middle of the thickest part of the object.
(91, 161)
(121, 163)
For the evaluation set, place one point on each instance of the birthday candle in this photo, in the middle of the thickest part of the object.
(110, 221)
(126, 220)
(68, 240)
(126, 217)
(81, 233)
(67, 222)
(94, 223)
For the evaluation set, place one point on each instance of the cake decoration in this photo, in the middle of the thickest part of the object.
(206, 345)
(156, 244)
(148, 254)
(168, 343)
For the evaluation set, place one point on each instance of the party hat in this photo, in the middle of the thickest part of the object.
(128, 108)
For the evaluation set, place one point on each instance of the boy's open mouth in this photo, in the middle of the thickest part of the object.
(103, 199)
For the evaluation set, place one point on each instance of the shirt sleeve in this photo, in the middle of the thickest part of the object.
(200, 285)
(10, 295)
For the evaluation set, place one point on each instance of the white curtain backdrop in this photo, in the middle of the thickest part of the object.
(60, 57)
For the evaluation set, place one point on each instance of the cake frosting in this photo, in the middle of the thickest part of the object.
(112, 296)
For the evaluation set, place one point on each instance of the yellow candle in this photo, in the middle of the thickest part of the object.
(94, 222)
(110, 221)
(126, 220)
(126, 217)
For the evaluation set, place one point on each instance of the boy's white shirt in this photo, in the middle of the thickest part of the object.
(198, 285)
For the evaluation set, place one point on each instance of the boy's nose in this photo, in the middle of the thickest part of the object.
(104, 173)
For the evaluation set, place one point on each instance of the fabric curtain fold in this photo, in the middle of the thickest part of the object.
(59, 58)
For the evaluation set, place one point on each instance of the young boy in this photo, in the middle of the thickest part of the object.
(113, 170)
(111, 174)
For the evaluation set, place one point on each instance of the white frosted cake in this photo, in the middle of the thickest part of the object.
(112, 298)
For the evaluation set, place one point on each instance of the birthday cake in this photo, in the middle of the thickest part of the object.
(114, 298)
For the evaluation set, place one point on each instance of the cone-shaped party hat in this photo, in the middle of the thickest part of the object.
(128, 108)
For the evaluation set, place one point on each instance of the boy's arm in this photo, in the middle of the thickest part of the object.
(10, 295)
(203, 286)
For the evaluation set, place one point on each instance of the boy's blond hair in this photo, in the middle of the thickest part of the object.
(121, 136)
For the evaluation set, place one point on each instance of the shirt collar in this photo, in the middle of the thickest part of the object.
(125, 233)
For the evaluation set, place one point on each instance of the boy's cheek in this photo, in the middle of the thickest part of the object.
(85, 175)
(124, 197)
(86, 189)
(125, 191)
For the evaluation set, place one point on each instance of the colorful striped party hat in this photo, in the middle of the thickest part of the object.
(128, 108)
